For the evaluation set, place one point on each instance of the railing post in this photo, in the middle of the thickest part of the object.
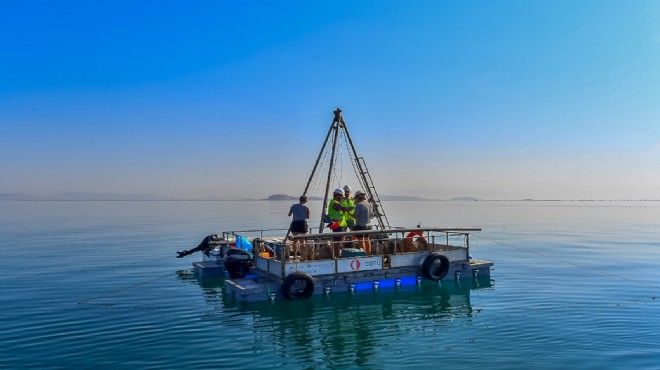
(467, 245)
(283, 252)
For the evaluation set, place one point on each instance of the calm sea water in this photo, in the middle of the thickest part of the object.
(96, 284)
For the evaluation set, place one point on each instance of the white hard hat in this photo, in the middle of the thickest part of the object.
(359, 192)
(347, 188)
(339, 191)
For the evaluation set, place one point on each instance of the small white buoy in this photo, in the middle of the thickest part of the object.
(376, 284)
(475, 273)
(272, 296)
(419, 280)
(326, 290)
(397, 282)
(351, 287)
(457, 275)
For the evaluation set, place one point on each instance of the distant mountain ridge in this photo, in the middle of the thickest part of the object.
(16, 196)
(81, 196)
(472, 199)
(84, 196)
(288, 197)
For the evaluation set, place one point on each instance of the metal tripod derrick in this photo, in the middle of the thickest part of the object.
(337, 127)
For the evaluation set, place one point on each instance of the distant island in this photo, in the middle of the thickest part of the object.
(281, 197)
(79, 196)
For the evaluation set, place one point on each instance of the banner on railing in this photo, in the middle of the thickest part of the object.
(359, 264)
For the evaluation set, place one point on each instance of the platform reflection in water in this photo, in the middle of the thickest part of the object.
(344, 327)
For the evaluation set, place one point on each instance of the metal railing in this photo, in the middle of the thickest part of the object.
(385, 242)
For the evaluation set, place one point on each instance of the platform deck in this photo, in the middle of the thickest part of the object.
(260, 286)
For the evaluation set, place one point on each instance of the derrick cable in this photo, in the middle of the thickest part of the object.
(354, 160)
(319, 182)
(313, 188)
(341, 157)
(473, 249)
(340, 140)
(331, 174)
(316, 181)
(326, 166)
(476, 245)
(602, 272)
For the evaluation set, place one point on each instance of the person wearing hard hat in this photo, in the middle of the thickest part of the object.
(363, 216)
(337, 220)
(348, 202)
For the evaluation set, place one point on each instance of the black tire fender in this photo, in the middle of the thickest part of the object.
(435, 266)
(291, 287)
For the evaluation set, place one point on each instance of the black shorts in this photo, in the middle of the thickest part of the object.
(358, 228)
(338, 230)
(299, 227)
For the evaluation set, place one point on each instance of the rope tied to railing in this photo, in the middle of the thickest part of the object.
(602, 272)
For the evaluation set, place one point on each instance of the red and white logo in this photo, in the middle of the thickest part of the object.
(355, 265)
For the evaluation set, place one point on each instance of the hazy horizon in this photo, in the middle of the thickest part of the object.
(75, 196)
(492, 100)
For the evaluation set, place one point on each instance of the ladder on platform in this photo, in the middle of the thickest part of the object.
(369, 188)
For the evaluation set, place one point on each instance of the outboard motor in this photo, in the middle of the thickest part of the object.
(237, 262)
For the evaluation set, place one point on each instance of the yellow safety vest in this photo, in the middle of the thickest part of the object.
(336, 215)
(350, 202)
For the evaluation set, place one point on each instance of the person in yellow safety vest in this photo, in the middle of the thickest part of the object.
(348, 202)
(336, 214)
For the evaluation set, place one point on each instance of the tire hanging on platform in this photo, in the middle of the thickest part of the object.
(435, 266)
(292, 287)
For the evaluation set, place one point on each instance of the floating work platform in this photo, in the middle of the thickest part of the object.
(300, 266)
(397, 259)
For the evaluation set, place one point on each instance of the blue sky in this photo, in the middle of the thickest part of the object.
(232, 100)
